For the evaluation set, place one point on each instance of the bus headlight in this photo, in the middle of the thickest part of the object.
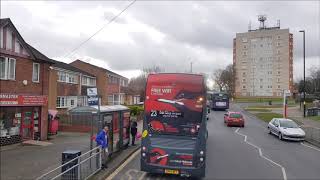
(201, 159)
(201, 152)
(144, 148)
(143, 154)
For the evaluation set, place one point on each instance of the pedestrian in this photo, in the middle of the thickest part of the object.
(134, 130)
(102, 140)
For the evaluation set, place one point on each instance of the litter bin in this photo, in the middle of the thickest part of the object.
(66, 157)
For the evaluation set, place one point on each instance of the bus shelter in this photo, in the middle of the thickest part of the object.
(116, 117)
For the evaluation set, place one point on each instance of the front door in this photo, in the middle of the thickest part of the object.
(27, 125)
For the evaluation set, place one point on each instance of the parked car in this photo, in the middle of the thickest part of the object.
(286, 129)
(234, 119)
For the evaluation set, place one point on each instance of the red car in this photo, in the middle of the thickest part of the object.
(234, 119)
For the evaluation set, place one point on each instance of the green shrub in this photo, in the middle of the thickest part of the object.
(136, 110)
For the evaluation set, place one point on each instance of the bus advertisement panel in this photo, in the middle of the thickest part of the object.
(174, 128)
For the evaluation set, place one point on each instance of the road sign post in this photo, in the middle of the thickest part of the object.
(93, 100)
(286, 93)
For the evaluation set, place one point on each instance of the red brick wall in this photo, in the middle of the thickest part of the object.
(24, 68)
(24, 72)
(101, 79)
(113, 88)
(67, 89)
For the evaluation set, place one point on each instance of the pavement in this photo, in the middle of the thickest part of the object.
(297, 114)
(118, 158)
(31, 159)
(242, 153)
(21, 161)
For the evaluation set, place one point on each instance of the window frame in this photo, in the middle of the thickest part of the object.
(33, 71)
(64, 102)
(7, 68)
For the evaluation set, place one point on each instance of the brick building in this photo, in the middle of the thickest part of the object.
(68, 87)
(24, 87)
(111, 86)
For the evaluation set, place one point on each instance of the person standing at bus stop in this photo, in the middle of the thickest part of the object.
(134, 130)
(102, 140)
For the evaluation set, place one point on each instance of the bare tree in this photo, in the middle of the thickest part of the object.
(224, 78)
(137, 85)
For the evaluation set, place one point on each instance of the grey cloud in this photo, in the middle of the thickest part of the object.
(183, 26)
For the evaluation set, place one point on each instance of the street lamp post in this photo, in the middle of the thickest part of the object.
(304, 73)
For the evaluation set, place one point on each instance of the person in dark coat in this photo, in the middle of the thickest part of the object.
(102, 140)
(133, 130)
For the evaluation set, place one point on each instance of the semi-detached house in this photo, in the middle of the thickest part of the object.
(68, 87)
(24, 88)
(111, 86)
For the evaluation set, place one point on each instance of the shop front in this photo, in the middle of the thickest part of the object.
(22, 117)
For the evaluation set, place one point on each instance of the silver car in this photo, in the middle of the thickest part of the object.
(286, 129)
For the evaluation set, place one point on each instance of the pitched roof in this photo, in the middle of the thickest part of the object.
(69, 67)
(34, 53)
(108, 71)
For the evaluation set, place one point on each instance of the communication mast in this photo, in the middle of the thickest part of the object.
(262, 19)
(278, 23)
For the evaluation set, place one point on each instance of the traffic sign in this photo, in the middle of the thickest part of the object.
(92, 92)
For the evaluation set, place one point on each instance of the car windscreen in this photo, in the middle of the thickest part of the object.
(235, 115)
(288, 124)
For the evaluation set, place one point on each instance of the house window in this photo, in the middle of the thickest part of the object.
(278, 80)
(110, 100)
(88, 81)
(261, 87)
(243, 87)
(67, 77)
(1, 37)
(61, 102)
(7, 68)
(278, 86)
(61, 76)
(35, 72)
(72, 78)
(243, 80)
(278, 37)
(9, 40)
(72, 102)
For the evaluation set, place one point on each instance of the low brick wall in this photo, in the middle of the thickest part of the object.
(76, 128)
(312, 135)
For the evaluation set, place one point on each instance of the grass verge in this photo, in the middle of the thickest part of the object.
(266, 117)
(257, 109)
(315, 118)
(271, 106)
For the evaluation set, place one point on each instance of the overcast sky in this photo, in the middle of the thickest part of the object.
(168, 34)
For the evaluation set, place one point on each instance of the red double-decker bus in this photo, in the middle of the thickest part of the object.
(174, 128)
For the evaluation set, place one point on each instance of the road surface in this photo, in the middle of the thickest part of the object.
(242, 153)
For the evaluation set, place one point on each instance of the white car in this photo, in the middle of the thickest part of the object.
(286, 129)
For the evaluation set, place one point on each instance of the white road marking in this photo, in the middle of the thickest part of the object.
(142, 176)
(261, 154)
(123, 165)
(303, 144)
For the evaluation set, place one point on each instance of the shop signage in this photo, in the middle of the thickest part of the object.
(22, 100)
